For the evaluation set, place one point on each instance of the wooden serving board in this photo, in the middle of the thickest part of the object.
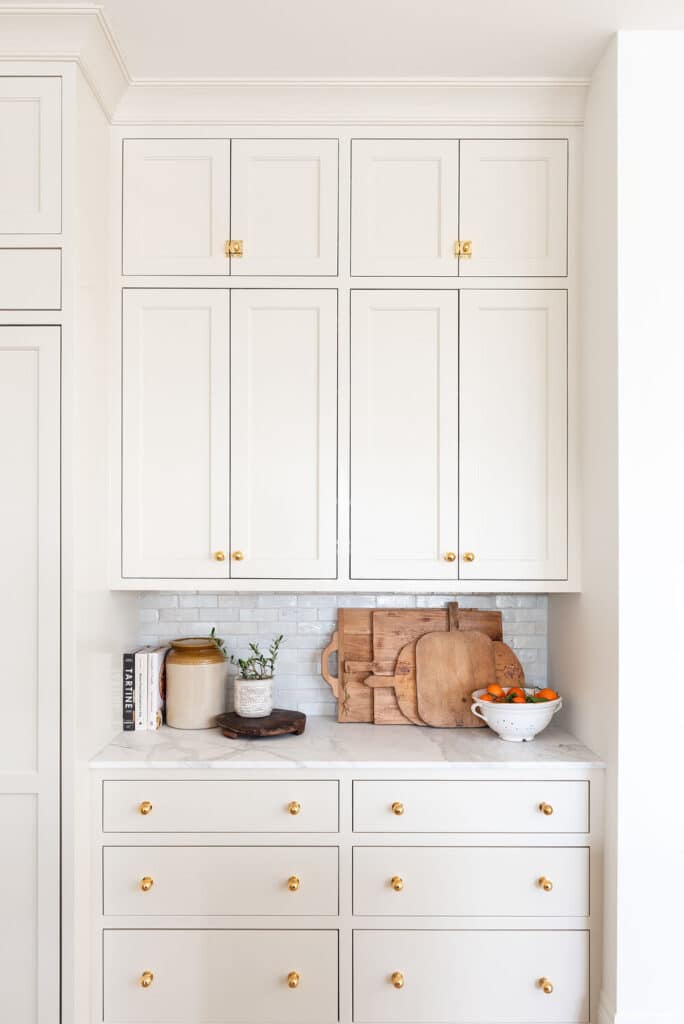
(449, 666)
(353, 642)
(279, 723)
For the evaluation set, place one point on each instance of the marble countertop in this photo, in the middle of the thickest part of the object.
(328, 745)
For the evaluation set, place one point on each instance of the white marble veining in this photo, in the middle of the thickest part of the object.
(328, 745)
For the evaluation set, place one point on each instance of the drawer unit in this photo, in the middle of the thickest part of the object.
(477, 806)
(30, 279)
(453, 976)
(220, 806)
(471, 881)
(184, 977)
(220, 880)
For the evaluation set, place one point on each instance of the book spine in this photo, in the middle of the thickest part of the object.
(155, 688)
(141, 690)
(129, 691)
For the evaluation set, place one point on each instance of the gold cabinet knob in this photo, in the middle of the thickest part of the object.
(293, 980)
(397, 808)
(145, 807)
(397, 883)
(466, 249)
(545, 808)
(234, 247)
(237, 556)
(293, 883)
(450, 556)
(546, 986)
(146, 883)
(546, 884)
(219, 556)
(146, 979)
(469, 556)
(294, 807)
(397, 979)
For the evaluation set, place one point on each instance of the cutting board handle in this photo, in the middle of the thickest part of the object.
(332, 681)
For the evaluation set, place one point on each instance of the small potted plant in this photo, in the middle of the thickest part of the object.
(254, 681)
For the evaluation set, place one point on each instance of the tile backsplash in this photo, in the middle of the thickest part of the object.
(307, 622)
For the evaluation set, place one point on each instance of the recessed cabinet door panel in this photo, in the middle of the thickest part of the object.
(514, 207)
(30, 155)
(404, 207)
(513, 454)
(284, 434)
(404, 434)
(175, 432)
(448, 977)
(176, 197)
(284, 205)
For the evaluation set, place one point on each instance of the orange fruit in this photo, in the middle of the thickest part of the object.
(547, 694)
(516, 691)
(518, 700)
(486, 696)
(496, 690)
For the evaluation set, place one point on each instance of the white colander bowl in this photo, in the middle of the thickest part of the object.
(515, 722)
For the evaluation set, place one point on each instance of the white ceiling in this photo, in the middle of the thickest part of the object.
(219, 39)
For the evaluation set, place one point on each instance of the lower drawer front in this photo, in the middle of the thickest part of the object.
(201, 976)
(471, 881)
(220, 880)
(474, 976)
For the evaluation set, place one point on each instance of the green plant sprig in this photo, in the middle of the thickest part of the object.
(258, 665)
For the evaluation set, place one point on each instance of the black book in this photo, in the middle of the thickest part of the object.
(129, 691)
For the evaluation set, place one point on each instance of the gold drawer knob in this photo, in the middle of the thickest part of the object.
(450, 556)
(397, 808)
(145, 807)
(293, 980)
(293, 883)
(294, 807)
(397, 979)
(546, 884)
(219, 556)
(397, 883)
(546, 986)
(146, 883)
(238, 556)
(546, 809)
(146, 979)
(469, 556)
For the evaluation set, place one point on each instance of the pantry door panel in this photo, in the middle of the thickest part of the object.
(30, 155)
(514, 207)
(404, 435)
(175, 433)
(176, 198)
(284, 206)
(284, 434)
(514, 450)
(404, 207)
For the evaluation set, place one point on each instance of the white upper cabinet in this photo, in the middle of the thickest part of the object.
(30, 155)
(404, 207)
(513, 446)
(404, 435)
(514, 207)
(284, 434)
(175, 433)
(176, 199)
(284, 206)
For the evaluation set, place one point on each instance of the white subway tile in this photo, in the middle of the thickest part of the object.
(179, 614)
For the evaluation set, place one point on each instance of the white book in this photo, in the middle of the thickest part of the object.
(156, 686)
(141, 688)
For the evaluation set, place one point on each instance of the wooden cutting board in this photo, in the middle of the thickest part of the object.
(449, 666)
(353, 642)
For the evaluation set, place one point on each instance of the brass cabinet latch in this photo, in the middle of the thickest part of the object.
(463, 249)
(233, 247)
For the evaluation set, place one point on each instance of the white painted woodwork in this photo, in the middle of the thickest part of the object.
(176, 206)
(514, 207)
(471, 976)
(221, 880)
(208, 806)
(222, 975)
(404, 207)
(30, 677)
(513, 434)
(175, 419)
(31, 155)
(481, 806)
(30, 279)
(462, 881)
(284, 205)
(404, 434)
(284, 433)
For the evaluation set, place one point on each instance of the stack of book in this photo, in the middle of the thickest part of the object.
(144, 688)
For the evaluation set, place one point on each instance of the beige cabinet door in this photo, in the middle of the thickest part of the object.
(404, 435)
(404, 207)
(30, 155)
(175, 445)
(284, 206)
(514, 207)
(283, 505)
(513, 441)
(30, 676)
(176, 197)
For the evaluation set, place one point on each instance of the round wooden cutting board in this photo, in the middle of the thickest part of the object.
(279, 723)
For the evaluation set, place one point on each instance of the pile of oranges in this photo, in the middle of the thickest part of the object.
(516, 695)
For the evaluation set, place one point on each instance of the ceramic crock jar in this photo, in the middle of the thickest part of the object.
(196, 675)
